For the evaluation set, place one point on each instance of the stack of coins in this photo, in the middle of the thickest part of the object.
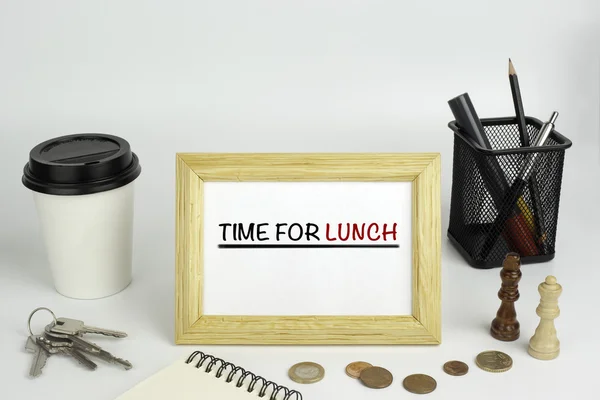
(371, 376)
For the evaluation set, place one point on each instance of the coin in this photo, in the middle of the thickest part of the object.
(456, 368)
(306, 372)
(494, 361)
(376, 377)
(419, 384)
(354, 369)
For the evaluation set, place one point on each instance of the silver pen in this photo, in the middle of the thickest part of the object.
(545, 132)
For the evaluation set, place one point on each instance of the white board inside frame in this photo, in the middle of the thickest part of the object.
(307, 248)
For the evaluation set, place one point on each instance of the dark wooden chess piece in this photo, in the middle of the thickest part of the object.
(505, 326)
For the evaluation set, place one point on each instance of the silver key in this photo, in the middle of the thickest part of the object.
(109, 358)
(79, 356)
(70, 351)
(78, 340)
(40, 356)
(103, 354)
(77, 327)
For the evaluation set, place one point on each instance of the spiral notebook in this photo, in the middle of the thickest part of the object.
(205, 377)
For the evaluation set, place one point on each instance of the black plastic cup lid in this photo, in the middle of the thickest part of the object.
(80, 164)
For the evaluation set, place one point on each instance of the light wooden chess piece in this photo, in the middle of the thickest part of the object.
(544, 344)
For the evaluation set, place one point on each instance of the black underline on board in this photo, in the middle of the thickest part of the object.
(305, 246)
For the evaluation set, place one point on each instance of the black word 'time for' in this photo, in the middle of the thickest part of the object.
(255, 231)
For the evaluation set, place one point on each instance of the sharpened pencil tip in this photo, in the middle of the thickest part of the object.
(511, 68)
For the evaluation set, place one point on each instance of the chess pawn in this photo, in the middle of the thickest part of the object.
(544, 344)
(505, 326)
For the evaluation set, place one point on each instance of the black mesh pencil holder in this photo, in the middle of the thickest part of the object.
(496, 208)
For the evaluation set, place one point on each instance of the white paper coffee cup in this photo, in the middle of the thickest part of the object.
(83, 188)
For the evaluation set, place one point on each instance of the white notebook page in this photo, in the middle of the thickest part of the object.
(181, 381)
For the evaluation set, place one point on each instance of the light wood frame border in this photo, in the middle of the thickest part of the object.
(422, 327)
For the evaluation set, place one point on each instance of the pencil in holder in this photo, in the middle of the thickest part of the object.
(496, 208)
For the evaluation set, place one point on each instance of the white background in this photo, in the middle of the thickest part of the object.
(325, 281)
(296, 76)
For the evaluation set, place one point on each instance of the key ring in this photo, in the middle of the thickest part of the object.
(33, 312)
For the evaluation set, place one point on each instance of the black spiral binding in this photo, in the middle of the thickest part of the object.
(255, 380)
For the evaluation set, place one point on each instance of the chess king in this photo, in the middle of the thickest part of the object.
(544, 344)
(505, 326)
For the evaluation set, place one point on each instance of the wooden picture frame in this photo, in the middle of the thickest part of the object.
(422, 327)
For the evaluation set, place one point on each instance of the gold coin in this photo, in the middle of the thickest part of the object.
(494, 361)
(419, 384)
(354, 369)
(306, 372)
(376, 377)
(456, 368)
